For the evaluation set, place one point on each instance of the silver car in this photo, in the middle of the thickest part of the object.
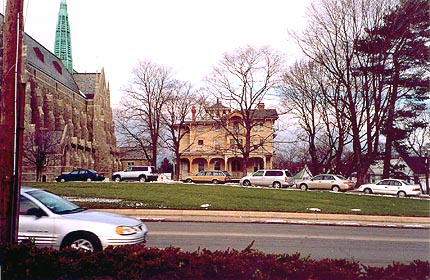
(327, 182)
(48, 220)
(276, 178)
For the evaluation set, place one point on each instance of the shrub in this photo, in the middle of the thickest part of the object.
(140, 262)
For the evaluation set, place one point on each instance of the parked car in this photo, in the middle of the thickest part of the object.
(327, 182)
(397, 187)
(276, 178)
(136, 173)
(80, 175)
(48, 220)
(209, 176)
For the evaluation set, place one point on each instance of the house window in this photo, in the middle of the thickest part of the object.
(236, 127)
(235, 166)
(217, 165)
(217, 144)
(232, 143)
(256, 166)
(201, 166)
(261, 126)
(200, 144)
(130, 163)
(240, 143)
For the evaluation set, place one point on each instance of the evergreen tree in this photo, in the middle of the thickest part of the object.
(398, 52)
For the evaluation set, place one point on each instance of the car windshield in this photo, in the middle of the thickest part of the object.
(55, 203)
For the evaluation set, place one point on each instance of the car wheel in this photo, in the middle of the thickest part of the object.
(188, 180)
(335, 188)
(277, 185)
(83, 241)
(89, 180)
(247, 183)
(215, 181)
(367, 191)
(303, 187)
(142, 179)
(117, 179)
(62, 180)
(401, 194)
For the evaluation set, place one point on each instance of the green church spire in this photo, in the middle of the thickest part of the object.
(63, 43)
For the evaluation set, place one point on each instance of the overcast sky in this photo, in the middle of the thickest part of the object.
(187, 35)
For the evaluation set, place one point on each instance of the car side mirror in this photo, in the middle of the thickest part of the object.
(36, 212)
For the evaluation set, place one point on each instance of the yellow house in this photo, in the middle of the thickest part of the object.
(214, 141)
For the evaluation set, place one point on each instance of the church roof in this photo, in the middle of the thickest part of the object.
(86, 83)
(45, 61)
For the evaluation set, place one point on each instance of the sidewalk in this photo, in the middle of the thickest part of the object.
(273, 217)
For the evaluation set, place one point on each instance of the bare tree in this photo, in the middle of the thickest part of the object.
(334, 27)
(177, 108)
(41, 149)
(139, 119)
(304, 93)
(419, 139)
(242, 79)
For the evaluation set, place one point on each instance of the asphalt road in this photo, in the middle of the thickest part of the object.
(376, 246)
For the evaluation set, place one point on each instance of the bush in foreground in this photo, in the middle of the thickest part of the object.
(139, 262)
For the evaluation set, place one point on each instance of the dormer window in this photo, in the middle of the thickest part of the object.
(57, 67)
(39, 54)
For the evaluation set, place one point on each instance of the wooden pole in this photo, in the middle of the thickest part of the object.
(11, 101)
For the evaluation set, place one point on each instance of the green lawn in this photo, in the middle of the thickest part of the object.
(228, 197)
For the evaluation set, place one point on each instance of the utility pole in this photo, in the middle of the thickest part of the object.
(427, 168)
(11, 121)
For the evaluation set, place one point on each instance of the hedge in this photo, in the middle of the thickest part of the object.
(140, 262)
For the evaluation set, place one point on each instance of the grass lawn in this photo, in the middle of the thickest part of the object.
(230, 197)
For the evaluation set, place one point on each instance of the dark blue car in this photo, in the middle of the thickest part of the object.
(80, 175)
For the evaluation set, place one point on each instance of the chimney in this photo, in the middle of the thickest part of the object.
(193, 113)
(260, 106)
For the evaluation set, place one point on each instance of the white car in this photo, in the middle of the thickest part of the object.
(48, 220)
(397, 187)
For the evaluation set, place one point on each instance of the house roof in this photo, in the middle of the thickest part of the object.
(265, 114)
(132, 153)
(417, 164)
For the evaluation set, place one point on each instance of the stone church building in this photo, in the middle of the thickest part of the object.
(68, 115)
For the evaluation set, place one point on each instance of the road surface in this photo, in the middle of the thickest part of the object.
(376, 246)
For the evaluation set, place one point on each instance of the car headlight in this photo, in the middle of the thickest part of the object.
(125, 230)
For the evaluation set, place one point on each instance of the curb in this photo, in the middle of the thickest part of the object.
(274, 217)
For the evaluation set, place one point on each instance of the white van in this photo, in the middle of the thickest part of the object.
(276, 178)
